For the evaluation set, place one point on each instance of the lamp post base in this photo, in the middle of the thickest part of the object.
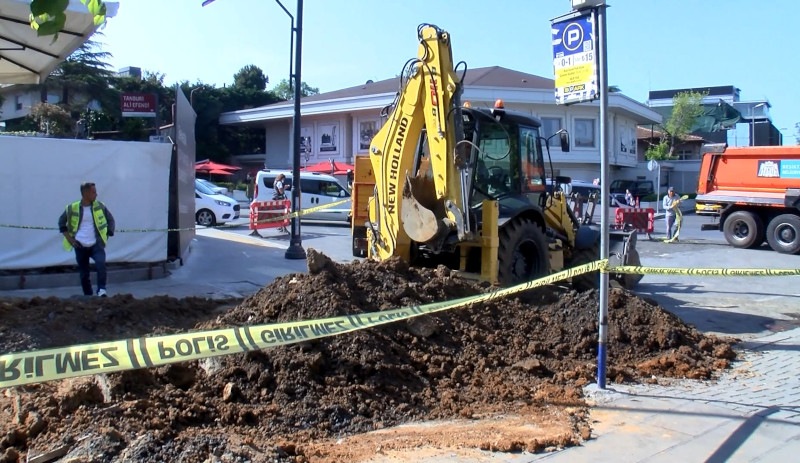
(295, 251)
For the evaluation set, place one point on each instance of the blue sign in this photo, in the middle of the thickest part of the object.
(575, 60)
(790, 169)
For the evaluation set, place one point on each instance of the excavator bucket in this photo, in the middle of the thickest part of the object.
(418, 210)
(622, 251)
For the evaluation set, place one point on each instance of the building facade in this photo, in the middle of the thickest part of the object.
(339, 125)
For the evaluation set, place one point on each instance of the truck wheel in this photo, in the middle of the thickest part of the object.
(744, 230)
(522, 253)
(590, 280)
(783, 234)
(630, 280)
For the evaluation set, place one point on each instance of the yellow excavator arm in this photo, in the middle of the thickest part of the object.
(412, 201)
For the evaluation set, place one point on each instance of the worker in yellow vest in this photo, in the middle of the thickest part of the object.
(86, 226)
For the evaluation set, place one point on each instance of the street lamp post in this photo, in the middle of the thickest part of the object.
(191, 96)
(295, 250)
(753, 123)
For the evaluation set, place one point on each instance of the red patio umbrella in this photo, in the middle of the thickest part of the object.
(211, 165)
(329, 167)
(218, 172)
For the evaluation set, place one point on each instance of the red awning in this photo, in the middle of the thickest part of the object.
(329, 167)
(217, 172)
(206, 166)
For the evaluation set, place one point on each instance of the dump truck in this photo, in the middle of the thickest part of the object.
(752, 195)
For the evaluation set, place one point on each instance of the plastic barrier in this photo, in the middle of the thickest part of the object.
(269, 214)
(641, 219)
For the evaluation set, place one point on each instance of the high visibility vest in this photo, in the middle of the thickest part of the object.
(74, 218)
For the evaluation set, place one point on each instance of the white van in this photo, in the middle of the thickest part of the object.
(212, 208)
(315, 190)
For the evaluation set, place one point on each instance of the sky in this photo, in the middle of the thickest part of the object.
(652, 44)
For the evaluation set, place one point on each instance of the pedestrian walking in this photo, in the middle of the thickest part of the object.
(629, 200)
(86, 225)
(670, 202)
(279, 194)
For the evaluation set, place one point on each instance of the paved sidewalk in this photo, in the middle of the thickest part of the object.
(751, 414)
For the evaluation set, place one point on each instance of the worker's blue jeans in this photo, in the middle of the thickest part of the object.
(98, 254)
(670, 225)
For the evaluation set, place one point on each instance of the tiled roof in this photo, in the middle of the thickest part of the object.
(493, 76)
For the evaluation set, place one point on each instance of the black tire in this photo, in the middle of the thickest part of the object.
(205, 218)
(783, 234)
(630, 280)
(744, 229)
(589, 280)
(522, 254)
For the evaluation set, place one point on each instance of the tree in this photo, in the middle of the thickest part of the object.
(282, 90)
(252, 77)
(52, 120)
(48, 16)
(686, 108)
(86, 71)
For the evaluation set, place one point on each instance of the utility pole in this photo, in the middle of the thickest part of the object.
(296, 250)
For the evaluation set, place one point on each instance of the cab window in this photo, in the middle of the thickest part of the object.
(493, 171)
(532, 174)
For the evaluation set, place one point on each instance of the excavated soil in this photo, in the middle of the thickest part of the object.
(504, 375)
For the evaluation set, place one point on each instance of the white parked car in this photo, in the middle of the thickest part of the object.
(212, 208)
(315, 190)
(213, 186)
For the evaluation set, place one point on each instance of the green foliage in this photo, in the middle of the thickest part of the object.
(86, 83)
(84, 73)
(659, 152)
(686, 108)
(250, 77)
(48, 16)
(283, 92)
(52, 120)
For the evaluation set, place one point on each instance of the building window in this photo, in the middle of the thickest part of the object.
(367, 128)
(685, 154)
(551, 125)
(584, 133)
(18, 103)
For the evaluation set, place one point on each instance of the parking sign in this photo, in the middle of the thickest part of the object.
(575, 59)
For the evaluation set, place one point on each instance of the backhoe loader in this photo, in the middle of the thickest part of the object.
(448, 184)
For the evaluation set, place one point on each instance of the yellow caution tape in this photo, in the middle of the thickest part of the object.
(151, 230)
(17, 369)
(22, 368)
(716, 272)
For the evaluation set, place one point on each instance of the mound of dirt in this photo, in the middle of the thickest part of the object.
(503, 375)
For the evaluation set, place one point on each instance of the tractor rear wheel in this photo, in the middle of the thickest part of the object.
(522, 254)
